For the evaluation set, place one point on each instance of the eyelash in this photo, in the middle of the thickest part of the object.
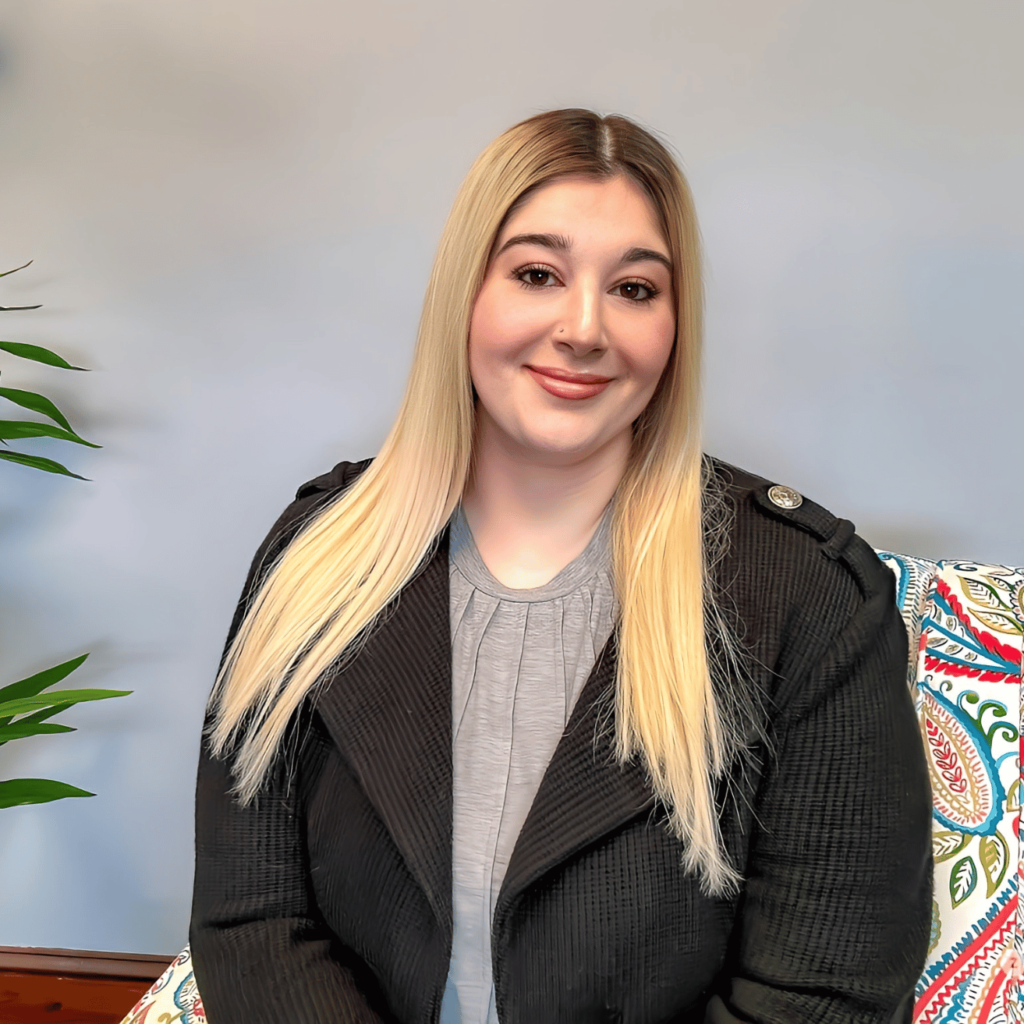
(652, 292)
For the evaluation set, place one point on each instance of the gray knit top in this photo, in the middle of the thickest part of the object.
(519, 660)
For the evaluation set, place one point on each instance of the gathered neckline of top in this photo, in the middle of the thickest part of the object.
(595, 558)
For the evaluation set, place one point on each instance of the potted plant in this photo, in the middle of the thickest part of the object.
(25, 707)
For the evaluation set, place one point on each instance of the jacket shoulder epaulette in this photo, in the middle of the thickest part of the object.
(341, 476)
(836, 538)
(786, 505)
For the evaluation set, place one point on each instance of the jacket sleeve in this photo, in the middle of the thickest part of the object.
(261, 949)
(834, 920)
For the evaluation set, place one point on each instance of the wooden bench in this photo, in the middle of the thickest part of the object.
(72, 986)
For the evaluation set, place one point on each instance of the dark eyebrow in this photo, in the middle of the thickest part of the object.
(639, 255)
(559, 242)
(562, 244)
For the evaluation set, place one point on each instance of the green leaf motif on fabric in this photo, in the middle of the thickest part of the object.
(981, 593)
(946, 845)
(995, 858)
(998, 621)
(963, 880)
(1000, 583)
(1013, 797)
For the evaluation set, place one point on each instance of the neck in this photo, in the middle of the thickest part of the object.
(532, 514)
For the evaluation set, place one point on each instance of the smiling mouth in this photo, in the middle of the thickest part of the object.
(568, 376)
(566, 385)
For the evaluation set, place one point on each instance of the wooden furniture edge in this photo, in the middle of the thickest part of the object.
(83, 962)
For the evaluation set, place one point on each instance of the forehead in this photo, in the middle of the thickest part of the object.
(578, 206)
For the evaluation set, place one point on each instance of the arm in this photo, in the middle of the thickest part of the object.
(834, 921)
(261, 950)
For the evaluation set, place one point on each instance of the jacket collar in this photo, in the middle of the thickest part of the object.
(389, 713)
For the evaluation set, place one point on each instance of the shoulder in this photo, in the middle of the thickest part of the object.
(343, 474)
(781, 531)
(309, 499)
(796, 576)
(312, 496)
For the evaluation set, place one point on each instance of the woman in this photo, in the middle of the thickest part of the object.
(541, 716)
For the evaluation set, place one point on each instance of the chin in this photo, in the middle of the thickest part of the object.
(560, 445)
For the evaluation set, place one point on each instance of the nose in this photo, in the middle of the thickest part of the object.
(581, 328)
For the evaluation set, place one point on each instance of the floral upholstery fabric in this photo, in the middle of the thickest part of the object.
(966, 677)
(966, 624)
(173, 997)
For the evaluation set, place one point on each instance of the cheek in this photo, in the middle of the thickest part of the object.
(496, 331)
(484, 329)
(652, 358)
(487, 341)
(667, 346)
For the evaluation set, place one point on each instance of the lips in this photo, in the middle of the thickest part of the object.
(565, 384)
(567, 375)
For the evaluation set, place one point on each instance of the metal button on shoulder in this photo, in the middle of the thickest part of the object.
(784, 497)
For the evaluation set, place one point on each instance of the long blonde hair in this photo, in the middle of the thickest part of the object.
(331, 583)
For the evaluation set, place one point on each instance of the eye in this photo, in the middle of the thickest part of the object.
(636, 291)
(535, 276)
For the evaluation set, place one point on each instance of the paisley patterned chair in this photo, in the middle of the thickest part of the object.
(965, 671)
(966, 623)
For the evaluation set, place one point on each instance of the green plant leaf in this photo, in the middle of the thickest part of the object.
(38, 462)
(16, 269)
(36, 791)
(17, 429)
(20, 729)
(36, 353)
(37, 403)
(31, 685)
(59, 698)
(38, 716)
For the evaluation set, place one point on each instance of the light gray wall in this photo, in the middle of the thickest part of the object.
(233, 210)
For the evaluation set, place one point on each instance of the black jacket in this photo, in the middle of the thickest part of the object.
(330, 898)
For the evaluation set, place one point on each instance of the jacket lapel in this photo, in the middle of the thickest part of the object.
(584, 793)
(389, 712)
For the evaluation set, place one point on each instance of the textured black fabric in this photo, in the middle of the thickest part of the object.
(329, 899)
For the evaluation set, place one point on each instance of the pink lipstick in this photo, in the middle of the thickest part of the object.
(564, 384)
